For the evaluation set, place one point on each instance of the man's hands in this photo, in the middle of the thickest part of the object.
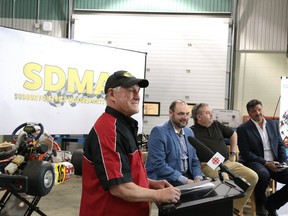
(273, 166)
(232, 158)
(166, 192)
(153, 184)
(192, 181)
(168, 195)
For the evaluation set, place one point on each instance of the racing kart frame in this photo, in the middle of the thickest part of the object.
(31, 164)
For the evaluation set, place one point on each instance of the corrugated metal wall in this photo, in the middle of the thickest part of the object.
(32, 9)
(58, 9)
(262, 25)
(261, 53)
(194, 6)
(29, 15)
(59, 28)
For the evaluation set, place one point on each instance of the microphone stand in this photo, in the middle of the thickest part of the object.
(220, 174)
(222, 181)
(240, 182)
(212, 190)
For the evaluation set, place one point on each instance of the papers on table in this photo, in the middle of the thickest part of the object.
(196, 186)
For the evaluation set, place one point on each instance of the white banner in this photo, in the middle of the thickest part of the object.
(57, 82)
(284, 110)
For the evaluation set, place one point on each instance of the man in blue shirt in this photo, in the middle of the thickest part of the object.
(170, 156)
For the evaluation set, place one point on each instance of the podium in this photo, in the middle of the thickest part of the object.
(204, 198)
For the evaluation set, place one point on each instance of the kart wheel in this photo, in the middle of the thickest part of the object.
(76, 160)
(40, 177)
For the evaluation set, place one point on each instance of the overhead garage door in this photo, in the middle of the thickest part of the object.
(186, 55)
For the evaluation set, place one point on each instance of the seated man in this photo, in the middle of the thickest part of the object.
(170, 156)
(212, 134)
(261, 148)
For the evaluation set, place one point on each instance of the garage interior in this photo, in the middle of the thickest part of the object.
(251, 55)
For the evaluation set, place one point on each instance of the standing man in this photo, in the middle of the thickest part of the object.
(261, 149)
(212, 134)
(170, 155)
(114, 181)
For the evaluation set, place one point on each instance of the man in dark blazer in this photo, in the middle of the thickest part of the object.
(261, 148)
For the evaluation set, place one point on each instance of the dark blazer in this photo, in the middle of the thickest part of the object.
(251, 146)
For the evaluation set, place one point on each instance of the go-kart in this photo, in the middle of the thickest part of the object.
(32, 163)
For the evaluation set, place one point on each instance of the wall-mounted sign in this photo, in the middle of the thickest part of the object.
(151, 108)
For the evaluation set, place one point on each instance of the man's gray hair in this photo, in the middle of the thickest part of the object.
(196, 110)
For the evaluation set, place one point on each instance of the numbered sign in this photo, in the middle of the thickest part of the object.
(63, 171)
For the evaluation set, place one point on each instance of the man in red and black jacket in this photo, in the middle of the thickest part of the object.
(114, 180)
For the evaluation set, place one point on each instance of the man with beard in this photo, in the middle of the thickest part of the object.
(212, 134)
(170, 156)
(262, 149)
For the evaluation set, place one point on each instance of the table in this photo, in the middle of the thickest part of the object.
(204, 198)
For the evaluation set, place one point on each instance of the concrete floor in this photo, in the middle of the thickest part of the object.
(64, 199)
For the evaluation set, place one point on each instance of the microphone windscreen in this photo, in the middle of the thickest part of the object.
(203, 152)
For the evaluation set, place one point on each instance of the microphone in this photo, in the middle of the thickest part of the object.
(205, 154)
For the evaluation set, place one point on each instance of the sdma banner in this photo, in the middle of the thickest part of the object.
(284, 110)
(58, 82)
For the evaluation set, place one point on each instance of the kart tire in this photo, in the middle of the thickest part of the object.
(76, 160)
(40, 177)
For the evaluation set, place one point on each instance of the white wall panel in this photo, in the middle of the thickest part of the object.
(187, 55)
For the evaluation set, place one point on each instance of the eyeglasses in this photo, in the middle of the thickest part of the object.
(182, 114)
